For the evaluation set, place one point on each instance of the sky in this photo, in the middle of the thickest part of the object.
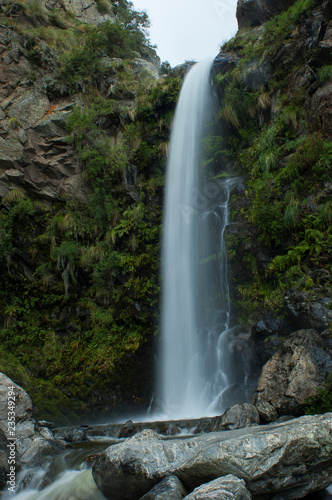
(186, 30)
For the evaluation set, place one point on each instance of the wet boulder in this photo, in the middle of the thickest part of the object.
(128, 429)
(292, 459)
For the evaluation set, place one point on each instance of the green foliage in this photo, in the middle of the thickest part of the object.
(322, 401)
(238, 104)
(103, 6)
(325, 73)
(119, 39)
(281, 26)
(165, 68)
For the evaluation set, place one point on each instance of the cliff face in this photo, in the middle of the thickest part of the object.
(274, 82)
(83, 135)
(84, 128)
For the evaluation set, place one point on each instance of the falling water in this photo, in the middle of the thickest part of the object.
(194, 365)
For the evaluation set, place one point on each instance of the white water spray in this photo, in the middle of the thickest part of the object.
(195, 305)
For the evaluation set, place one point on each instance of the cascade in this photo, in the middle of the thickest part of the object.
(195, 364)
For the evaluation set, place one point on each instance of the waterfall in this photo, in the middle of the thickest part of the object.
(195, 362)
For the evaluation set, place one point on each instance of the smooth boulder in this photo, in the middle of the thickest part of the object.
(293, 459)
(169, 488)
(224, 488)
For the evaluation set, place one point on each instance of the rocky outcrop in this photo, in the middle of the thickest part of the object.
(85, 10)
(321, 107)
(295, 372)
(251, 13)
(305, 310)
(32, 442)
(291, 458)
(34, 154)
(229, 487)
(266, 336)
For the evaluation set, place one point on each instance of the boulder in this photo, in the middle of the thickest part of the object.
(169, 488)
(305, 311)
(229, 487)
(21, 400)
(291, 458)
(31, 443)
(296, 371)
(235, 417)
(128, 430)
(266, 411)
(144, 69)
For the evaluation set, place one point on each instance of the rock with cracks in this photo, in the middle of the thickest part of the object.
(293, 459)
(295, 372)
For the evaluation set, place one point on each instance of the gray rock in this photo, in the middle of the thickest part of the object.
(52, 125)
(4, 466)
(169, 488)
(240, 416)
(39, 448)
(31, 445)
(291, 458)
(181, 69)
(235, 417)
(224, 62)
(11, 152)
(266, 411)
(145, 69)
(256, 74)
(87, 11)
(321, 106)
(228, 487)
(251, 13)
(29, 107)
(307, 312)
(128, 429)
(296, 371)
(23, 403)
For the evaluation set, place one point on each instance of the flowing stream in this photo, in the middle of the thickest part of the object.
(195, 356)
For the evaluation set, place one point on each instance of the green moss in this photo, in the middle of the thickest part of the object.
(322, 401)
